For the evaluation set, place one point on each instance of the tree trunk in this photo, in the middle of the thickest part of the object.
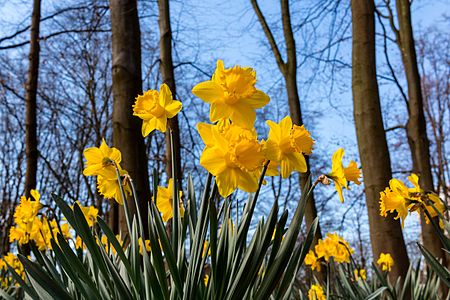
(385, 233)
(166, 67)
(127, 84)
(416, 128)
(30, 99)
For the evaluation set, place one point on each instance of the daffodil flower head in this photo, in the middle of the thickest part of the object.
(110, 188)
(341, 175)
(316, 293)
(312, 260)
(233, 155)
(360, 274)
(164, 201)
(89, 212)
(385, 261)
(232, 94)
(395, 198)
(432, 198)
(286, 146)
(333, 246)
(154, 108)
(102, 161)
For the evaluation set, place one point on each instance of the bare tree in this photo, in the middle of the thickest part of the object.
(385, 233)
(31, 102)
(416, 127)
(168, 77)
(434, 64)
(288, 68)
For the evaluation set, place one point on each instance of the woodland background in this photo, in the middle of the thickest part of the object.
(74, 91)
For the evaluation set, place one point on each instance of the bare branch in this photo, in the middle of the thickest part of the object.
(270, 37)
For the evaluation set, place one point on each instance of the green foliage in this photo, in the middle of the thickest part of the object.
(243, 262)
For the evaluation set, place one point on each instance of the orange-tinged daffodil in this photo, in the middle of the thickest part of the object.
(233, 155)
(232, 95)
(341, 175)
(286, 146)
(154, 108)
(164, 201)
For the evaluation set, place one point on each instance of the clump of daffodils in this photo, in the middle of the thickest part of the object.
(14, 262)
(32, 227)
(331, 246)
(233, 152)
(400, 199)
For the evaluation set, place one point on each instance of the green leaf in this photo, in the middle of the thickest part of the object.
(435, 265)
(43, 283)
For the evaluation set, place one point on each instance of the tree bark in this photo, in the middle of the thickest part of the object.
(127, 84)
(31, 102)
(167, 72)
(385, 233)
(416, 128)
(289, 71)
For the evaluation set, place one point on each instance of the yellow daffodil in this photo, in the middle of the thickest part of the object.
(206, 279)
(232, 94)
(286, 146)
(233, 155)
(402, 199)
(333, 246)
(79, 244)
(385, 261)
(90, 213)
(101, 161)
(25, 218)
(14, 262)
(341, 175)
(28, 209)
(316, 293)
(110, 189)
(108, 246)
(438, 205)
(392, 199)
(164, 201)
(146, 243)
(63, 229)
(360, 274)
(154, 108)
(312, 260)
